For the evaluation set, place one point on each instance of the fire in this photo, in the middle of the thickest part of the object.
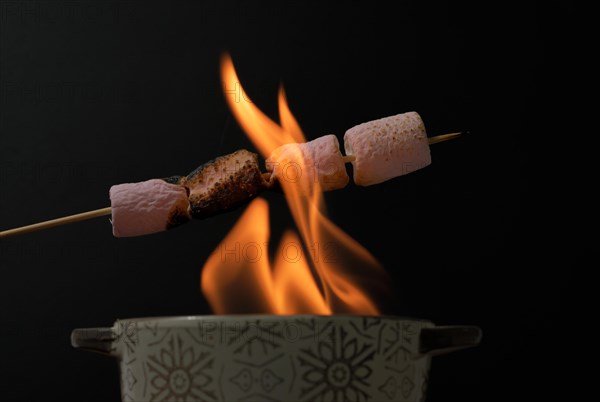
(239, 278)
(323, 273)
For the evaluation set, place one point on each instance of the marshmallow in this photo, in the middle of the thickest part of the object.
(317, 161)
(387, 148)
(147, 207)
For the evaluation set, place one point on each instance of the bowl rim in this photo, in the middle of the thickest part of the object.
(265, 317)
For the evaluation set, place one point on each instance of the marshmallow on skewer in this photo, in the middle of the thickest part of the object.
(387, 148)
(147, 207)
(172, 206)
(317, 161)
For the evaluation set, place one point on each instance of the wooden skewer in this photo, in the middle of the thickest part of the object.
(444, 137)
(107, 211)
(56, 222)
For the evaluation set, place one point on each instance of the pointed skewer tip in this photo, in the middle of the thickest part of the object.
(445, 137)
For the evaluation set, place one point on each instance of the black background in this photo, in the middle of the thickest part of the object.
(99, 93)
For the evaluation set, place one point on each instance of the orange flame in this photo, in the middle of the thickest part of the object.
(327, 280)
(238, 276)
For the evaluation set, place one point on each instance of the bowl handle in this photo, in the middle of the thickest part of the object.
(445, 339)
(93, 339)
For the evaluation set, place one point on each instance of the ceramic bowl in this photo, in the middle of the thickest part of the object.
(274, 358)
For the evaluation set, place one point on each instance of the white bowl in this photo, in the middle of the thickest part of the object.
(274, 358)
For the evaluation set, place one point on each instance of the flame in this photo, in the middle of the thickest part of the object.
(327, 279)
(238, 276)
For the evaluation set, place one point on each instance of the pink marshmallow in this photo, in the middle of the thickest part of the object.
(316, 161)
(147, 207)
(387, 148)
